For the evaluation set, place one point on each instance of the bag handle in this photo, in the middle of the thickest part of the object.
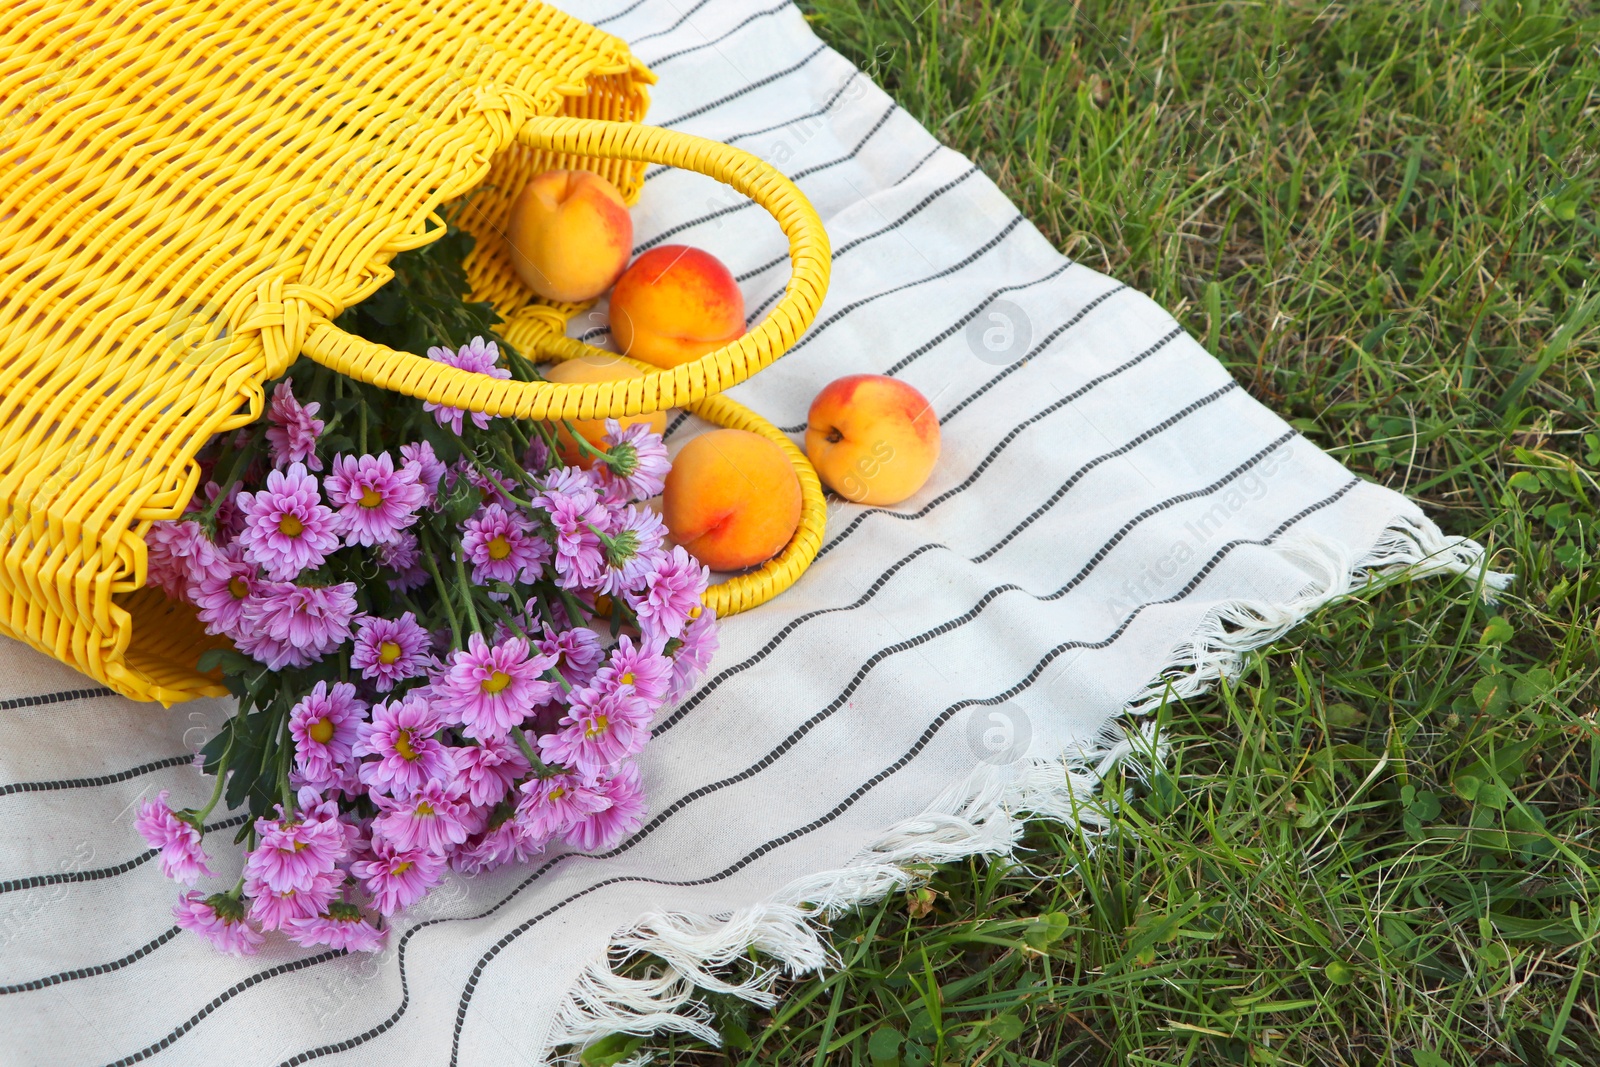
(683, 385)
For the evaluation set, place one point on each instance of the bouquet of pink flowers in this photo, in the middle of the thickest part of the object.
(448, 647)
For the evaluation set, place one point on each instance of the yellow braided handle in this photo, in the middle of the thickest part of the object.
(809, 254)
(693, 385)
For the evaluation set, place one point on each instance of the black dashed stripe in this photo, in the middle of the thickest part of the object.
(994, 453)
(662, 33)
(931, 153)
(819, 113)
(89, 972)
(55, 698)
(1040, 347)
(656, 63)
(746, 204)
(101, 873)
(105, 779)
(752, 87)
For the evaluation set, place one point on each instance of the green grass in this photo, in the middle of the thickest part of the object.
(1378, 846)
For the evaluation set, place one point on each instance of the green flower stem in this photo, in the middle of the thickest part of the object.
(585, 446)
(444, 594)
(495, 476)
(461, 572)
(556, 676)
(541, 769)
(222, 779)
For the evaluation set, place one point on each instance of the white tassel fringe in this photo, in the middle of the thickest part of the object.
(983, 816)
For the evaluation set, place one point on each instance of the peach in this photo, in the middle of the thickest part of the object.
(675, 304)
(570, 235)
(732, 499)
(872, 439)
(596, 368)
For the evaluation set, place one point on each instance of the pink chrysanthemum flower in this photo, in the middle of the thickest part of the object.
(220, 920)
(292, 429)
(283, 624)
(639, 666)
(551, 806)
(488, 690)
(693, 653)
(395, 878)
(404, 556)
(272, 909)
(671, 594)
(632, 550)
(179, 556)
(374, 500)
(577, 652)
(388, 651)
(324, 725)
(342, 926)
(477, 356)
(504, 840)
(622, 816)
(292, 853)
(429, 467)
(287, 528)
(432, 818)
(182, 857)
(637, 469)
(401, 736)
(221, 596)
(576, 513)
(600, 730)
(488, 771)
(502, 547)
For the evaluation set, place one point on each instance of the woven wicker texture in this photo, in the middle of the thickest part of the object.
(191, 193)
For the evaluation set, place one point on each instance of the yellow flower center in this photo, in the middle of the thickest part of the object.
(370, 498)
(238, 587)
(558, 792)
(499, 548)
(290, 526)
(402, 867)
(628, 679)
(402, 745)
(321, 731)
(496, 681)
(424, 808)
(597, 729)
(388, 652)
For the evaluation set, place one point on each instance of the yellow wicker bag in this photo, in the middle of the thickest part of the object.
(191, 193)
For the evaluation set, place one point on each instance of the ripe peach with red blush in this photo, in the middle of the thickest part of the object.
(675, 304)
(873, 439)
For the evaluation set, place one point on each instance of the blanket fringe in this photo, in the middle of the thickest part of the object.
(983, 816)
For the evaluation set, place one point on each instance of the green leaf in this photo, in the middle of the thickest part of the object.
(1497, 632)
(1344, 716)
(884, 1045)
(1491, 694)
(1046, 930)
(1339, 973)
(1467, 786)
(1532, 685)
(611, 1049)
(1425, 1058)
(1006, 1027)
(1425, 807)
(1525, 481)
